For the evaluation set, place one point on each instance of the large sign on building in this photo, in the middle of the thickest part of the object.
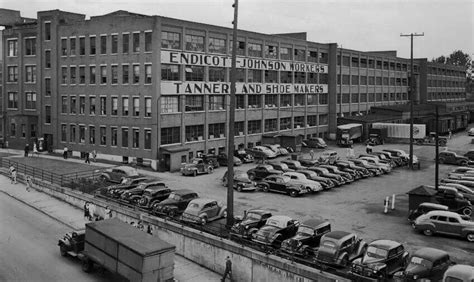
(169, 87)
(215, 60)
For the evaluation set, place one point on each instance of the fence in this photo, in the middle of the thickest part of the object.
(51, 177)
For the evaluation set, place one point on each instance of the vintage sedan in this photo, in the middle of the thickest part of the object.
(222, 159)
(325, 182)
(280, 166)
(283, 184)
(397, 161)
(459, 273)
(448, 157)
(426, 264)
(308, 236)
(262, 171)
(202, 211)
(444, 222)
(348, 178)
(115, 190)
(244, 156)
(402, 154)
(242, 181)
(118, 174)
(339, 248)
(132, 196)
(321, 171)
(424, 208)
(176, 203)
(277, 229)
(386, 168)
(244, 227)
(300, 178)
(314, 142)
(261, 152)
(152, 195)
(362, 171)
(292, 164)
(308, 162)
(381, 260)
(377, 170)
(197, 166)
(72, 243)
(277, 148)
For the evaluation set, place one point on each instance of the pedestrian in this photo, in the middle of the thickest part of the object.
(140, 225)
(311, 153)
(35, 150)
(65, 150)
(368, 148)
(29, 183)
(348, 152)
(108, 212)
(91, 210)
(13, 174)
(450, 134)
(88, 161)
(86, 211)
(149, 229)
(27, 150)
(351, 152)
(228, 269)
(94, 155)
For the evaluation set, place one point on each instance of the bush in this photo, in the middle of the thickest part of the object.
(86, 185)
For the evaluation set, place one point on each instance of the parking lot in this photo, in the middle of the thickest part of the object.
(356, 207)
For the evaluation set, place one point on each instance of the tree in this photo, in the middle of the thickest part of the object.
(458, 58)
(439, 60)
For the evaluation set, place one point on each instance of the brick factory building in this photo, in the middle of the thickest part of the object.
(156, 89)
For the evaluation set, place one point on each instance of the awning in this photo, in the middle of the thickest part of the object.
(174, 149)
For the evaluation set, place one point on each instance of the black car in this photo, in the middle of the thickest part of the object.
(362, 171)
(337, 179)
(426, 264)
(292, 164)
(242, 181)
(308, 236)
(114, 191)
(132, 196)
(282, 184)
(397, 160)
(222, 160)
(455, 201)
(244, 227)
(72, 243)
(262, 171)
(470, 155)
(308, 162)
(424, 208)
(325, 182)
(211, 160)
(244, 156)
(335, 170)
(153, 195)
(176, 203)
(281, 167)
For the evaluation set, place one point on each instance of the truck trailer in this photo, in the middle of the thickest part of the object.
(347, 134)
(401, 132)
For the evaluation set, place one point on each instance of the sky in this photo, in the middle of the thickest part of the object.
(366, 25)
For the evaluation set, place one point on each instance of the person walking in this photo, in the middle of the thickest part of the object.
(351, 152)
(87, 161)
(108, 212)
(94, 155)
(35, 150)
(13, 174)
(228, 269)
(29, 183)
(91, 208)
(450, 134)
(86, 211)
(311, 153)
(65, 150)
(368, 148)
(27, 150)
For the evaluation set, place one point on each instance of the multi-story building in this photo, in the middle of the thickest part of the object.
(157, 89)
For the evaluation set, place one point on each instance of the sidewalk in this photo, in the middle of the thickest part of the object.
(184, 269)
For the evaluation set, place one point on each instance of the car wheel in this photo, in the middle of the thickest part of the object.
(195, 173)
(428, 232)
(264, 188)
(344, 261)
(470, 237)
(441, 160)
(172, 213)
(463, 163)
(239, 188)
(252, 176)
(467, 211)
(203, 220)
(62, 250)
(293, 193)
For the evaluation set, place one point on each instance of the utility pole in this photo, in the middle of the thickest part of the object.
(436, 150)
(340, 84)
(231, 137)
(412, 92)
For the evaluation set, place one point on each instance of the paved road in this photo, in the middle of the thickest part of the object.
(28, 247)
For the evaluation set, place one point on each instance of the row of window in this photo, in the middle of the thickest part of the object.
(446, 95)
(106, 74)
(112, 106)
(446, 72)
(172, 135)
(356, 62)
(23, 134)
(371, 80)
(445, 83)
(371, 97)
(108, 136)
(30, 73)
(30, 100)
(29, 47)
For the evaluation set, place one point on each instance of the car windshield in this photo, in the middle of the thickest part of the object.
(376, 252)
(305, 230)
(253, 216)
(195, 161)
(328, 244)
(312, 174)
(174, 196)
(193, 205)
(421, 261)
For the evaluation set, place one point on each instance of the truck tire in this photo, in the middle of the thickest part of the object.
(87, 265)
(467, 211)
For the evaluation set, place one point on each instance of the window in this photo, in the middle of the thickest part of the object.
(217, 45)
(136, 106)
(125, 106)
(254, 101)
(216, 130)
(355, 80)
(72, 42)
(148, 107)
(323, 58)
(12, 129)
(170, 40)
(286, 77)
(216, 102)
(345, 98)
(47, 31)
(135, 138)
(113, 136)
(136, 74)
(125, 137)
(82, 46)
(217, 74)
(92, 45)
(125, 74)
(300, 55)
(194, 73)
(47, 86)
(313, 57)
(170, 104)
(254, 50)
(47, 110)
(12, 48)
(271, 51)
(285, 53)
(103, 135)
(92, 74)
(30, 46)
(270, 125)
(47, 59)
(12, 73)
(114, 39)
(114, 111)
(355, 62)
(64, 104)
(103, 44)
(114, 70)
(363, 80)
(312, 120)
(82, 134)
(136, 42)
(63, 133)
(82, 75)
(12, 100)
(103, 74)
(354, 98)
(300, 77)
(239, 102)
(240, 75)
(371, 80)
(323, 119)
(194, 103)
(363, 62)
(346, 61)
(299, 99)
(285, 100)
(73, 105)
(194, 43)
(148, 41)
(125, 43)
(312, 99)
(30, 100)
(72, 75)
(323, 98)
(82, 105)
(103, 105)
(147, 139)
(72, 133)
(239, 128)
(285, 123)
(254, 126)
(30, 74)
(171, 72)
(170, 135)
(254, 76)
(299, 122)
(271, 76)
(240, 47)
(363, 97)
(194, 132)
(148, 74)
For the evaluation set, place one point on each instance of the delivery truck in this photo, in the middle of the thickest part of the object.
(123, 249)
(377, 136)
(400, 132)
(347, 134)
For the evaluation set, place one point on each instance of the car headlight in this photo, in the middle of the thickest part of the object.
(415, 277)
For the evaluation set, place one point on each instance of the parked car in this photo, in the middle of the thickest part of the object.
(244, 227)
(222, 160)
(176, 203)
(448, 157)
(386, 167)
(385, 156)
(300, 178)
(308, 162)
(444, 222)
(467, 183)
(292, 164)
(377, 170)
(455, 201)
(424, 208)
(308, 236)
(280, 166)
(362, 171)
(244, 156)
(197, 166)
(348, 178)
(426, 264)
(202, 211)
(262, 171)
(277, 148)
(382, 259)
(326, 183)
(72, 243)
(261, 152)
(463, 190)
(132, 196)
(462, 169)
(282, 184)
(328, 157)
(470, 155)
(211, 159)
(470, 132)
(277, 229)
(321, 171)
(402, 154)
(459, 273)
(314, 142)
(114, 190)
(242, 181)
(118, 173)
(467, 192)
(152, 195)
(339, 248)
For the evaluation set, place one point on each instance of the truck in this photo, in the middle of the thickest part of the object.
(347, 134)
(121, 248)
(377, 136)
(401, 132)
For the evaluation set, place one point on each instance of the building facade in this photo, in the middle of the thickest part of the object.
(156, 89)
